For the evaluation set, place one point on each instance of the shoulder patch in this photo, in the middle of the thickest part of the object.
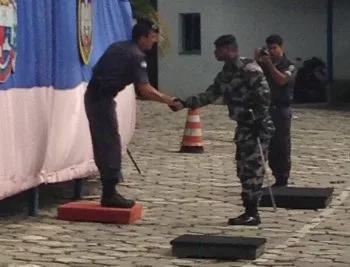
(143, 64)
(291, 67)
(253, 66)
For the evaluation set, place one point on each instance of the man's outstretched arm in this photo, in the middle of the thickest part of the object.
(149, 92)
(213, 92)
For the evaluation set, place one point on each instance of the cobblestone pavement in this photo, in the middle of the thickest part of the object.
(190, 193)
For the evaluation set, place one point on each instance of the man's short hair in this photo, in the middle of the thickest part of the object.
(274, 39)
(143, 27)
(227, 39)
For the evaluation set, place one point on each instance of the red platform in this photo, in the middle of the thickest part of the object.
(90, 211)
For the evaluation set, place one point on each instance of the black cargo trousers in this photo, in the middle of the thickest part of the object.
(106, 144)
(279, 155)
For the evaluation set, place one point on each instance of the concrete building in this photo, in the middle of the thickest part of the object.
(308, 28)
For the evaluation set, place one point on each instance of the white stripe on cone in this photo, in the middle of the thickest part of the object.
(193, 132)
(193, 118)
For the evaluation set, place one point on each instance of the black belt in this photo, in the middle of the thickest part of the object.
(103, 83)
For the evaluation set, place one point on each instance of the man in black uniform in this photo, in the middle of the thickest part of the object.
(280, 74)
(121, 64)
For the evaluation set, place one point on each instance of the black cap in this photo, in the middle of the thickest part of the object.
(143, 27)
(224, 40)
(147, 23)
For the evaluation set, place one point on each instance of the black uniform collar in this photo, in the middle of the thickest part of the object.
(281, 60)
(134, 44)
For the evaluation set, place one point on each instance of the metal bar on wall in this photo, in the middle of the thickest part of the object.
(330, 26)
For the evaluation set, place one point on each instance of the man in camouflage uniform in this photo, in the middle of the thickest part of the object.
(247, 95)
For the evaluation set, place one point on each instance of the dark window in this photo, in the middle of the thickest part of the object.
(190, 42)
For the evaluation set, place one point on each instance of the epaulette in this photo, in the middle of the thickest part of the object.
(245, 60)
(252, 66)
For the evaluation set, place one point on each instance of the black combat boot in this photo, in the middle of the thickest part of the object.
(277, 184)
(281, 182)
(249, 218)
(112, 199)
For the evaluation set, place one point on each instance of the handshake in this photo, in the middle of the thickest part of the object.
(177, 104)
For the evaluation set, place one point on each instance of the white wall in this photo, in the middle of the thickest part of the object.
(303, 25)
(184, 74)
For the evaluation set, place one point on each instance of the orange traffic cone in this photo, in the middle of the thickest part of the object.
(192, 138)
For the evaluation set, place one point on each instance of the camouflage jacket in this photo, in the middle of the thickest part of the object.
(243, 87)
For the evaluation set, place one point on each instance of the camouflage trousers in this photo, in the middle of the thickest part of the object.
(250, 166)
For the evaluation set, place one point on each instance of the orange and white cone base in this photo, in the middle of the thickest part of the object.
(192, 141)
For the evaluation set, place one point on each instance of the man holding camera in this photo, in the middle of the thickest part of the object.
(280, 74)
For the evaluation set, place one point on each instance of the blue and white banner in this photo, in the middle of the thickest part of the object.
(44, 135)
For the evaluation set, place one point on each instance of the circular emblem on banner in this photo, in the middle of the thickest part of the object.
(8, 30)
(84, 29)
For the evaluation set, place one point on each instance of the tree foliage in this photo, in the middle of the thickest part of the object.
(145, 9)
